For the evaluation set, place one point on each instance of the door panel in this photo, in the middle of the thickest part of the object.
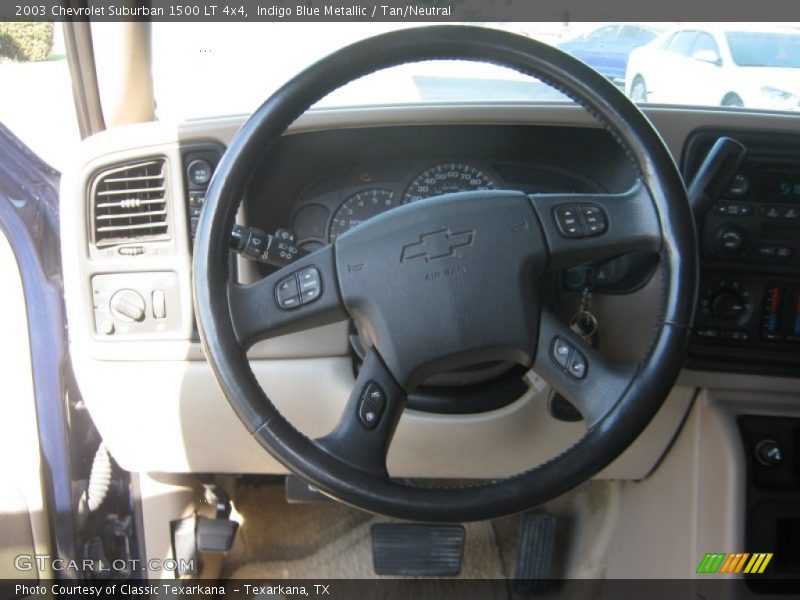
(23, 518)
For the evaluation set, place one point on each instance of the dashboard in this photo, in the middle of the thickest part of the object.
(133, 339)
(321, 214)
(749, 306)
(347, 177)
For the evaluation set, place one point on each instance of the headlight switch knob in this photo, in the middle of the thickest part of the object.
(127, 306)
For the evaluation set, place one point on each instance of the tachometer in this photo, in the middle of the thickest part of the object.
(447, 178)
(360, 207)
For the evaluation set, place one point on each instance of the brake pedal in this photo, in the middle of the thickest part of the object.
(536, 546)
(417, 549)
(217, 534)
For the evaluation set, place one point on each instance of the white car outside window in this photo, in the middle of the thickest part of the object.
(728, 65)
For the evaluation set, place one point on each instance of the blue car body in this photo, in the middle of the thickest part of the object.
(607, 48)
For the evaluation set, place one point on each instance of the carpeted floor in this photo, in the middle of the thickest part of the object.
(278, 540)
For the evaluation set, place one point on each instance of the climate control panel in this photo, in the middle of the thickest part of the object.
(750, 318)
(724, 311)
(780, 313)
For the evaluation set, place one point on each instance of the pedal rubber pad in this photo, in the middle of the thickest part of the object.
(215, 535)
(417, 550)
(536, 547)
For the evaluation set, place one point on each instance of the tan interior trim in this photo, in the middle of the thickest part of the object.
(24, 528)
(122, 53)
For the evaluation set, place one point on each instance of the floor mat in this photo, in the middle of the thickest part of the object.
(352, 554)
(278, 540)
(272, 529)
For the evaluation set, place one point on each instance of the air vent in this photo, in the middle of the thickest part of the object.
(130, 203)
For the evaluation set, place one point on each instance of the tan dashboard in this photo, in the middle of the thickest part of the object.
(141, 370)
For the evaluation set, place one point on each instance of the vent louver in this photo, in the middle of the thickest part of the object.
(130, 203)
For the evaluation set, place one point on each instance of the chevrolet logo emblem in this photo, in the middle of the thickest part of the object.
(437, 244)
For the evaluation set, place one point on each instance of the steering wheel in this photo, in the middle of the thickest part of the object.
(448, 282)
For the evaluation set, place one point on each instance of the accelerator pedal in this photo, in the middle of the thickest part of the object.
(536, 547)
(417, 549)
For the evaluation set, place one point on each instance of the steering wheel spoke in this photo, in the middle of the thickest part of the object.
(364, 433)
(584, 228)
(300, 296)
(577, 370)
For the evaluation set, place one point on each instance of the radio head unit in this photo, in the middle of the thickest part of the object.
(758, 218)
(748, 313)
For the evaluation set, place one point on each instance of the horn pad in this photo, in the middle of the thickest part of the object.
(446, 282)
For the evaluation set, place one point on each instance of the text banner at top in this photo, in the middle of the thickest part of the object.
(421, 11)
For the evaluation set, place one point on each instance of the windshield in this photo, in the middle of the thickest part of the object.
(754, 49)
(190, 54)
(211, 69)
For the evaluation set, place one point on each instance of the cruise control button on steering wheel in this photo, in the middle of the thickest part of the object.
(373, 401)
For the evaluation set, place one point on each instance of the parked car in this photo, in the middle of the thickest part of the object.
(607, 48)
(719, 65)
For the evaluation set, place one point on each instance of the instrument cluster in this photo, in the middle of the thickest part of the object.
(337, 203)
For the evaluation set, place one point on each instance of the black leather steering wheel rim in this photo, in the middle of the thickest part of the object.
(651, 379)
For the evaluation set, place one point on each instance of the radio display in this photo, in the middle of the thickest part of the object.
(789, 188)
(781, 187)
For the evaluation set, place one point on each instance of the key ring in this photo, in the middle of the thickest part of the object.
(584, 324)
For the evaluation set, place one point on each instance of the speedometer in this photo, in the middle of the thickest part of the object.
(447, 178)
(358, 208)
